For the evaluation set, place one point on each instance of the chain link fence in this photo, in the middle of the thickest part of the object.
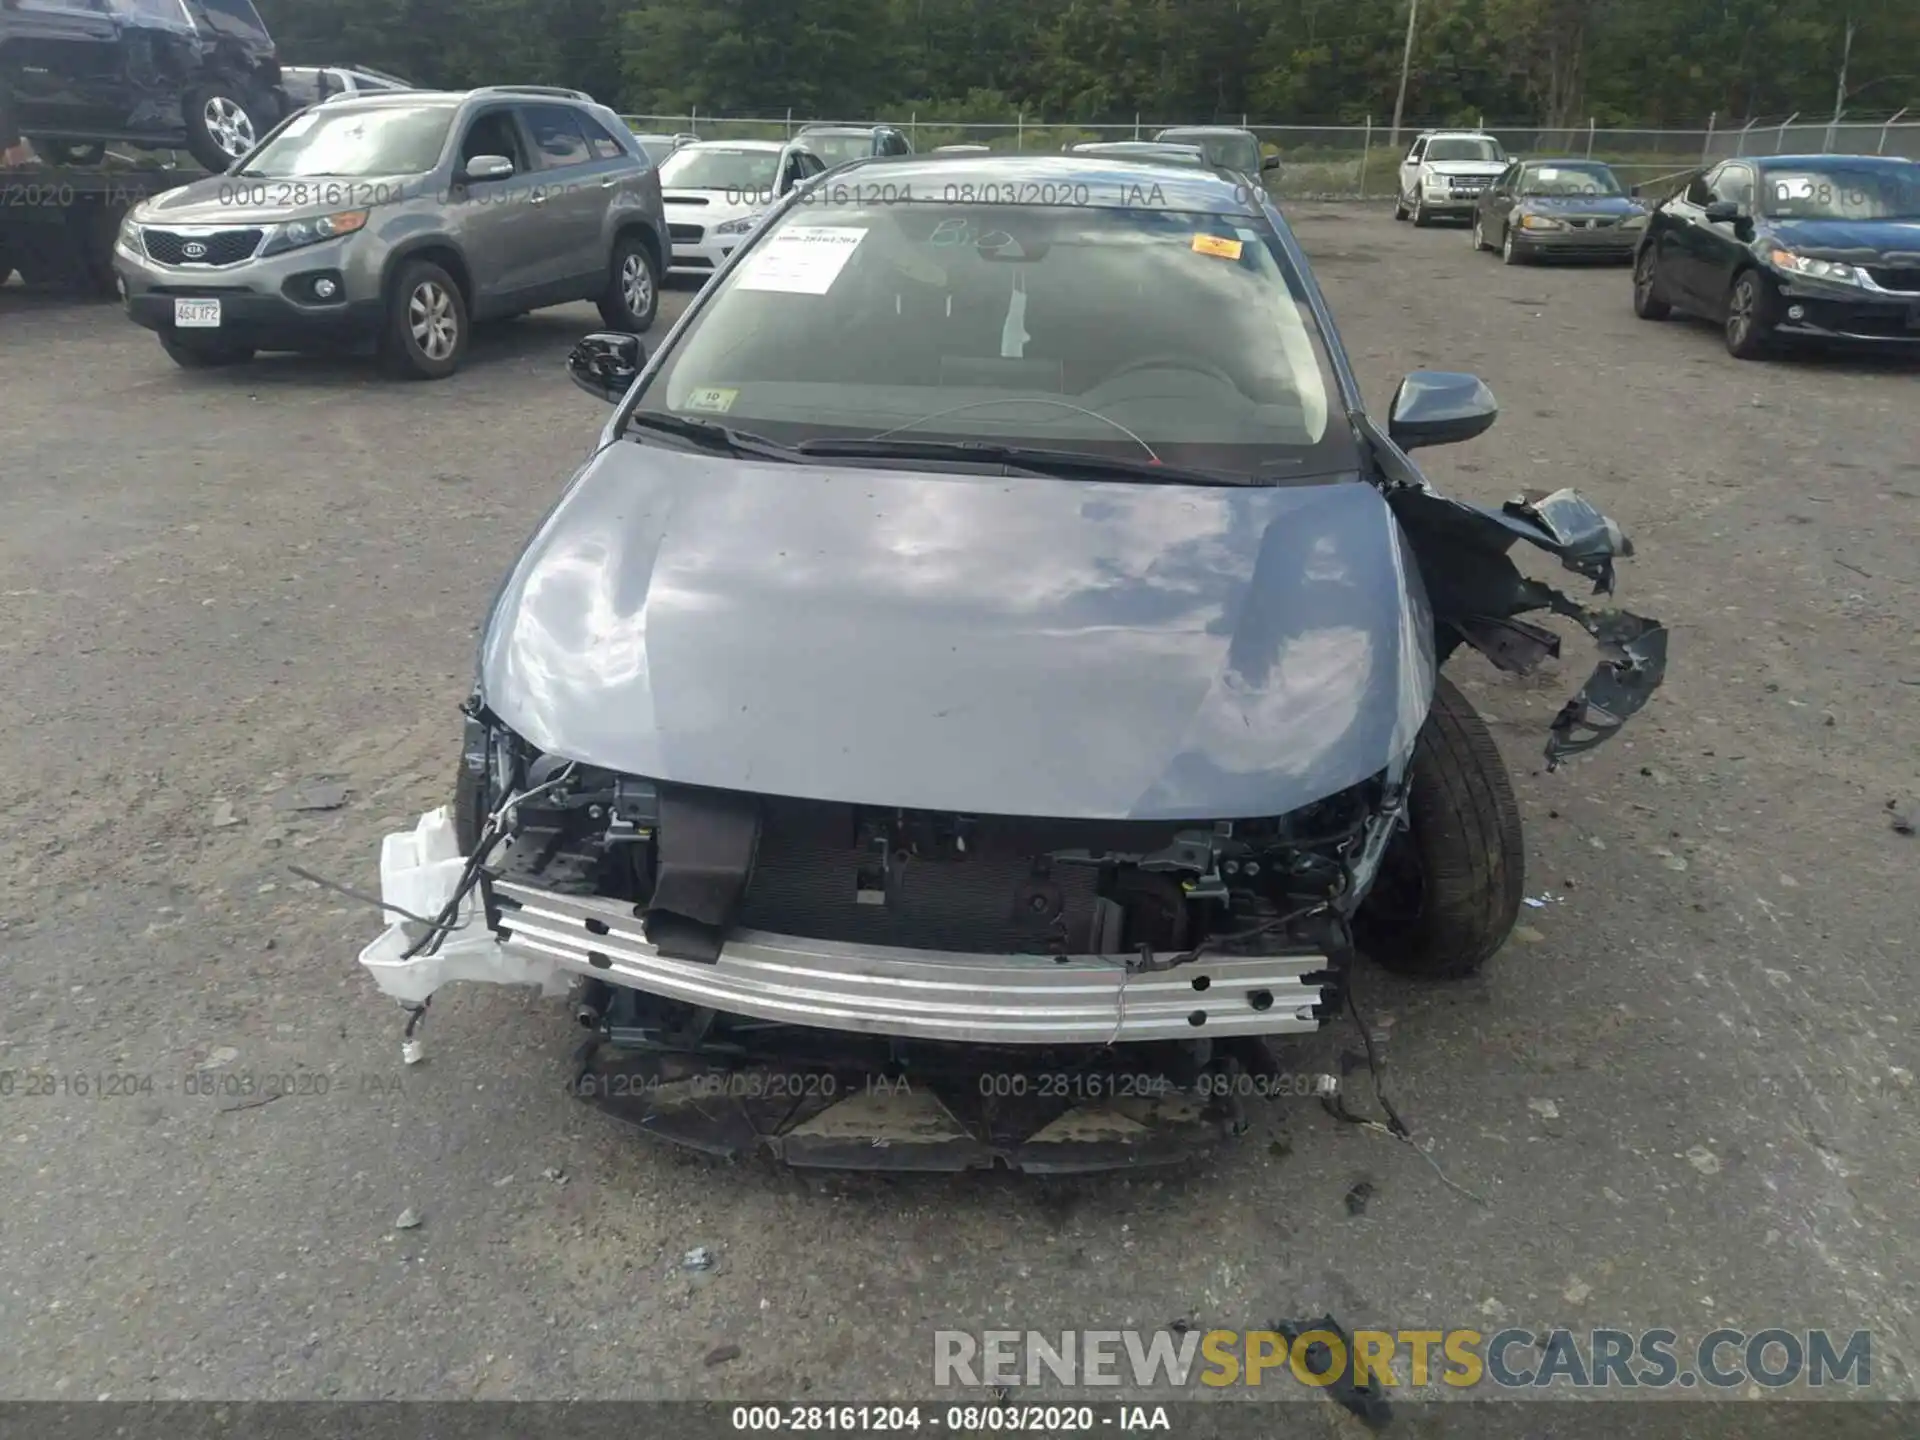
(1348, 162)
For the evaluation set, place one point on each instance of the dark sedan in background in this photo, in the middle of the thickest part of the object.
(1789, 247)
(1566, 209)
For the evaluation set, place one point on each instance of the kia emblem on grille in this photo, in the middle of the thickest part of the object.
(194, 250)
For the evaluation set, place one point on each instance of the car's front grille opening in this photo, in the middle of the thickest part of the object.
(1889, 277)
(686, 234)
(219, 247)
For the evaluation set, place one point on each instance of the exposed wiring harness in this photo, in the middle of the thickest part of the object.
(1395, 1128)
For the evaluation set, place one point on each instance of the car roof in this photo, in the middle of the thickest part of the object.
(1203, 130)
(1787, 162)
(1142, 149)
(391, 99)
(1533, 160)
(1112, 182)
(1453, 135)
(841, 129)
(770, 146)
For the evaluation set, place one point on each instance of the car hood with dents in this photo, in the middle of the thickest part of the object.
(1865, 242)
(987, 644)
(240, 200)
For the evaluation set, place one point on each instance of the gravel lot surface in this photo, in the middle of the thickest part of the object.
(1685, 1089)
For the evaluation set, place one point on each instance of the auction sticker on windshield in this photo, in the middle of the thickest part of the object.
(801, 259)
(1215, 245)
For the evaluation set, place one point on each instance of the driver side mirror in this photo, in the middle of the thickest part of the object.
(488, 167)
(1270, 162)
(605, 364)
(1440, 407)
(1721, 212)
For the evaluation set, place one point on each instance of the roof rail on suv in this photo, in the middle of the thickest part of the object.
(559, 91)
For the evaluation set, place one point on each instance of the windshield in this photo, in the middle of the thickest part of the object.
(720, 167)
(838, 149)
(1571, 179)
(1842, 192)
(1120, 334)
(1464, 148)
(1229, 152)
(328, 142)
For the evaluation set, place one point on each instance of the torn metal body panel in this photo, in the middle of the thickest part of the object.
(1477, 593)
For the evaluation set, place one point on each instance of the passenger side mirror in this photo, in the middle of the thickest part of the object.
(1270, 162)
(1721, 212)
(1634, 191)
(1440, 407)
(605, 363)
(488, 167)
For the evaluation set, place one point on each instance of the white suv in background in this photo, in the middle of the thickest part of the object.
(1444, 173)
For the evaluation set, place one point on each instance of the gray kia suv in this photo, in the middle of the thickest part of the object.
(392, 222)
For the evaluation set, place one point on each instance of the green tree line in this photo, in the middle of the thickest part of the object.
(1549, 62)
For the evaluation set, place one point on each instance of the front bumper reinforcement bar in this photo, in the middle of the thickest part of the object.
(933, 995)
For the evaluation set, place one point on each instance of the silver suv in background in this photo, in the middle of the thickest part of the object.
(393, 222)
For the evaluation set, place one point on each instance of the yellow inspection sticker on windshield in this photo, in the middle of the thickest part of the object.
(1215, 245)
(712, 398)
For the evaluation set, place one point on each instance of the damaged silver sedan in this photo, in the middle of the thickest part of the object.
(985, 684)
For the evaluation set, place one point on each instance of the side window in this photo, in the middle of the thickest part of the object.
(557, 141)
(493, 132)
(1511, 179)
(1699, 190)
(1735, 183)
(1419, 150)
(603, 145)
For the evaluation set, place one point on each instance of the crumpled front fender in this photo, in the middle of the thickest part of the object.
(1477, 594)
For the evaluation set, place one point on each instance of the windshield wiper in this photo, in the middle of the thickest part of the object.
(1064, 463)
(713, 436)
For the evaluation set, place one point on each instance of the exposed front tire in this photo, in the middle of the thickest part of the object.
(633, 288)
(1750, 322)
(1512, 252)
(224, 120)
(1479, 234)
(1420, 216)
(204, 354)
(425, 335)
(1648, 301)
(1450, 886)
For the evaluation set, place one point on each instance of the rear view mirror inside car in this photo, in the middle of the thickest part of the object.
(605, 363)
(1440, 407)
